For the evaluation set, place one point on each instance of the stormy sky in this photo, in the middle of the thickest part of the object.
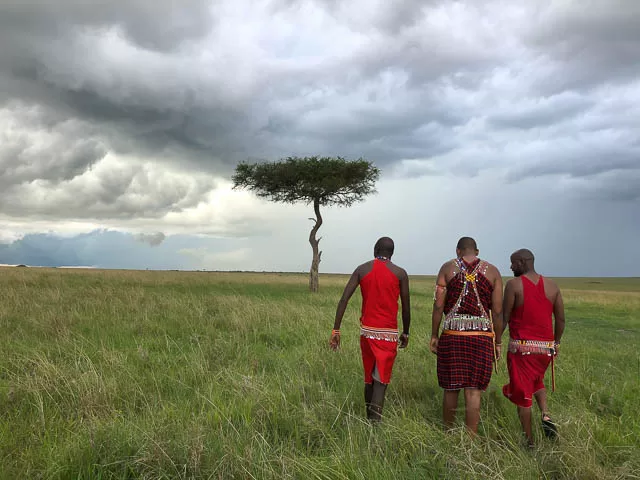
(516, 123)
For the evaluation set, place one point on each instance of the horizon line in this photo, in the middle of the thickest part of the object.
(90, 267)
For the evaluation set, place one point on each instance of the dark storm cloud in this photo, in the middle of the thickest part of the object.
(116, 67)
(164, 103)
(156, 25)
(593, 43)
(612, 186)
(542, 113)
(460, 86)
(37, 146)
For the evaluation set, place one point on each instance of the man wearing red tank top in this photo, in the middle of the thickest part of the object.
(381, 284)
(530, 301)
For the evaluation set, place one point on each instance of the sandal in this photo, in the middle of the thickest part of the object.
(548, 427)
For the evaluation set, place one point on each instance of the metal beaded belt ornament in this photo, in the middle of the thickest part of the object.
(379, 334)
(466, 322)
(527, 347)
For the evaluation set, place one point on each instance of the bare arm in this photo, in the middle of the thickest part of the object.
(558, 314)
(507, 304)
(349, 289)
(406, 304)
(496, 308)
(351, 286)
(406, 309)
(438, 308)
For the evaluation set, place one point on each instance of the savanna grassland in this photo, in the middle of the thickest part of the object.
(124, 374)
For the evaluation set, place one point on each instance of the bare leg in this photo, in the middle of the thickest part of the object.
(368, 392)
(549, 428)
(377, 400)
(472, 398)
(449, 407)
(541, 400)
(525, 420)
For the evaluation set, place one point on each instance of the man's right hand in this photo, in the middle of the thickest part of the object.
(433, 345)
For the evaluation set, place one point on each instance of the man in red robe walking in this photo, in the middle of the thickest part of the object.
(530, 301)
(381, 284)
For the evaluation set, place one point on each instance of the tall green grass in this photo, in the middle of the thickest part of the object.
(115, 374)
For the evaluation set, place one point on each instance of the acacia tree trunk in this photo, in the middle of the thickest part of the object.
(315, 263)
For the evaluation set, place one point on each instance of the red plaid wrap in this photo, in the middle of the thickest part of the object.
(465, 361)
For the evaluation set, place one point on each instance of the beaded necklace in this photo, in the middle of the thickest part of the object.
(469, 277)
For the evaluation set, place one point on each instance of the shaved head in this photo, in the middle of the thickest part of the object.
(467, 243)
(466, 246)
(383, 247)
(522, 262)
(524, 254)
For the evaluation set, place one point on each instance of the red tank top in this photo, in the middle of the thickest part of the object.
(380, 290)
(533, 319)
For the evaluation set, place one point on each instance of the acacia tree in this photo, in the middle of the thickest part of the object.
(323, 181)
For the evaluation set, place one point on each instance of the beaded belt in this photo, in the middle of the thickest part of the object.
(527, 347)
(387, 334)
(466, 322)
(468, 333)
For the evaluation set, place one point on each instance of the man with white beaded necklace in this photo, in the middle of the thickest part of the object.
(469, 293)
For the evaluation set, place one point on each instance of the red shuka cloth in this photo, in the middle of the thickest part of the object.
(533, 320)
(380, 290)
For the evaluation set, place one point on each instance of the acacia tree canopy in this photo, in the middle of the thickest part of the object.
(327, 180)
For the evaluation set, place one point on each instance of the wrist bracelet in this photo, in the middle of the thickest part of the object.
(335, 332)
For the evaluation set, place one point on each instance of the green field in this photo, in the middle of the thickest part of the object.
(120, 374)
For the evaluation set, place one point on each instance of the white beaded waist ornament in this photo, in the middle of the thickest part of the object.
(387, 334)
(466, 322)
(527, 347)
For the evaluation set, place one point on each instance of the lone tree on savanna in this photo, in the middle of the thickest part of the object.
(322, 181)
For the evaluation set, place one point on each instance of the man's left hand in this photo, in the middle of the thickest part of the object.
(404, 340)
(498, 352)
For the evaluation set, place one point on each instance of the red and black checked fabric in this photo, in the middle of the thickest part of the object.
(464, 361)
(469, 304)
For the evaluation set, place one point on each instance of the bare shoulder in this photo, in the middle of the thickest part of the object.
(367, 264)
(400, 272)
(449, 266)
(447, 271)
(492, 268)
(492, 271)
(550, 285)
(513, 284)
(364, 268)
